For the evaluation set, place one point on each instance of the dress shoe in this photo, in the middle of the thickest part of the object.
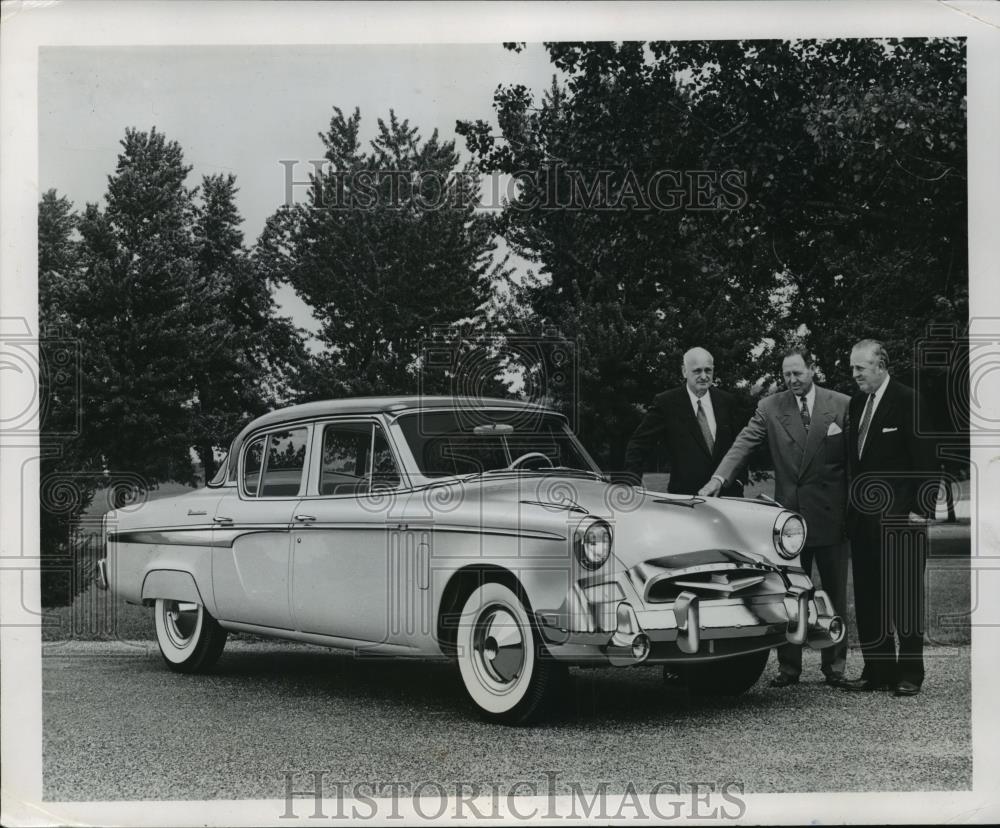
(837, 680)
(784, 681)
(864, 685)
(906, 688)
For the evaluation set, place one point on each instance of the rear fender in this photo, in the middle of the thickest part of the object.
(170, 583)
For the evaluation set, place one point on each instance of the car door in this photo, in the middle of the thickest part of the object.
(251, 557)
(350, 557)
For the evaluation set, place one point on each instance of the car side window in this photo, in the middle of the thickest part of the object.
(286, 460)
(385, 474)
(343, 467)
(349, 464)
(252, 460)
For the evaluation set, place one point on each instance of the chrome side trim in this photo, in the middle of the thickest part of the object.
(361, 647)
(191, 537)
(403, 525)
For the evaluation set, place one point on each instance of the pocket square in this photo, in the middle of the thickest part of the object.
(833, 429)
(887, 430)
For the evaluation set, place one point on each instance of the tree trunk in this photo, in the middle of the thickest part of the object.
(207, 456)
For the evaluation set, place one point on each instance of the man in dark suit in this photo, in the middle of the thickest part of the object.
(893, 487)
(804, 430)
(696, 423)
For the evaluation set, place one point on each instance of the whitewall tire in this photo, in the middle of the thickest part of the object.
(190, 639)
(506, 670)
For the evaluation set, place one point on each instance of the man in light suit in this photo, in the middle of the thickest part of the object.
(695, 423)
(894, 482)
(804, 431)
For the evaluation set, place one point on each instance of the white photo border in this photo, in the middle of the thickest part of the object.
(27, 26)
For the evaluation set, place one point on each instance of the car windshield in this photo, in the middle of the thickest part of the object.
(447, 443)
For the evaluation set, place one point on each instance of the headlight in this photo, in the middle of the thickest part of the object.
(789, 534)
(593, 544)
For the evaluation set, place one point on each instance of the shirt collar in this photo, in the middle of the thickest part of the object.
(810, 398)
(706, 398)
(881, 391)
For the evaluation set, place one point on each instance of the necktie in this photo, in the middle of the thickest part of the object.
(804, 411)
(865, 422)
(706, 432)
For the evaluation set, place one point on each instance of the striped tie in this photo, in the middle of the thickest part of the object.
(706, 432)
(865, 422)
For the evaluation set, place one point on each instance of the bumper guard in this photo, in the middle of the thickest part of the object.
(699, 626)
(102, 573)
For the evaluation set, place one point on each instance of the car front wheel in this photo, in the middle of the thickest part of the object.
(505, 668)
(190, 639)
(731, 676)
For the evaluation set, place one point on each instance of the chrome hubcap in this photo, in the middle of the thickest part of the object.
(181, 621)
(499, 645)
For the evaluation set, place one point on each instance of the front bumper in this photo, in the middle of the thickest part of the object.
(695, 627)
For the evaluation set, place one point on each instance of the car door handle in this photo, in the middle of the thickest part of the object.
(305, 518)
(222, 519)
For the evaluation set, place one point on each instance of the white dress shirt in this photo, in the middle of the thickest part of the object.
(879, 393)
(706, 404)
(810, 400)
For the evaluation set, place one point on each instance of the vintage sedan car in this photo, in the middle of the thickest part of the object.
(477, 530)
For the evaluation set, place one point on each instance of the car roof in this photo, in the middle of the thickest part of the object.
(375, 405)
(378, 405)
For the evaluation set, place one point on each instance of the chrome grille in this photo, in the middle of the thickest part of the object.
(727, 583)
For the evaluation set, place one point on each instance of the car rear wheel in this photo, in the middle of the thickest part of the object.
(505, 668)
(190, 639)
(731, 676)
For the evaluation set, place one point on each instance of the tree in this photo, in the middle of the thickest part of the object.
(69, 469)
(860, 193)
(250, 356)
(175, 329)
(135, 306)
(810, 186)
(387, 250)
(632, 285)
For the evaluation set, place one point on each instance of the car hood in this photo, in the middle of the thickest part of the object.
(645, 524)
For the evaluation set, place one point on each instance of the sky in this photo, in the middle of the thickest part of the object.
(244, 109)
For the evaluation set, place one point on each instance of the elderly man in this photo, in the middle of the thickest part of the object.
(803, 428)
(892, 493)
(695, 422)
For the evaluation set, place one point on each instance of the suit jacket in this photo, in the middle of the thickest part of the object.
(810, 469)
(671, 421)
(897, 472)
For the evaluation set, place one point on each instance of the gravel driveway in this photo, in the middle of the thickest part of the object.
(118, 725)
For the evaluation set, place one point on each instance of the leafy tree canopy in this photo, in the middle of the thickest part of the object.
(740, 195)
(388, 249)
